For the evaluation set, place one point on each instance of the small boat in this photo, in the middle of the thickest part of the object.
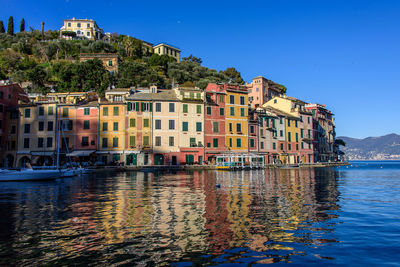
(28, 175)
(70, 172)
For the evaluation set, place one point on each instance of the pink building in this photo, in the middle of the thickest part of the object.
(260, 90)
(306, 137)
(86, 128)
(214, 121)
(254, 136)
(9, 114)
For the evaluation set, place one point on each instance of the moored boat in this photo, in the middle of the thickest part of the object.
(28, 175)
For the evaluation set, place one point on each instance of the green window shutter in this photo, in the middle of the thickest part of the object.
(230, 142)
(132, 123)
(129, 106)
(145, 122)
(137, 106)
(215, 142)
(198, 109)
(151, 107)
(297, 137)
(141, 106)
(132, 140)
(198, 126)
(185, 126)
(232, 111)
(242, 112)
(221, 112)
(185, 108)
(238, 142)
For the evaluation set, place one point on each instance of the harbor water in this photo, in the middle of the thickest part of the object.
(313, 216)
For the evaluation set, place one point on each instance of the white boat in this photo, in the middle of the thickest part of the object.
(70, 172)
(28, 175)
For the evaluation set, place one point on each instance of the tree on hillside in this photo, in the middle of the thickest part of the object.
(10, 26)
(22, 25)
(192, 58)
(233, 75)
(340, 142)
(137, 74)
(2, 30)
(37, 76)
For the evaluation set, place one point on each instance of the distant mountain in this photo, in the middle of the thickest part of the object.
(372, 148)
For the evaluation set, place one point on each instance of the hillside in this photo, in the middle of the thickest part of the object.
(372, 148)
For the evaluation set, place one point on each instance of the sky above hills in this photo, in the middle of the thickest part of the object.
(344, 54)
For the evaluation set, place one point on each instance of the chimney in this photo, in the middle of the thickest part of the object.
(153, 89)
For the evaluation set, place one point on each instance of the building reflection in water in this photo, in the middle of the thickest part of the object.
(154, 218)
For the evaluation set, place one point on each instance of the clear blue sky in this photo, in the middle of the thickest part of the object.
(344, 54)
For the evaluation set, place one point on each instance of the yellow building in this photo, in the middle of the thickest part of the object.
(169, 50)
(37, 133)
(236, 122)
(110, 60)
(111, 131)
(83, 29)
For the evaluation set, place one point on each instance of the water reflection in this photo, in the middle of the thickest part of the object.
(206, 217)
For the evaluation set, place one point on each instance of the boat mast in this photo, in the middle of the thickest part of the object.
(58, 136)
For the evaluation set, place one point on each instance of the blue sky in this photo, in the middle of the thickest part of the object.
(344, 54)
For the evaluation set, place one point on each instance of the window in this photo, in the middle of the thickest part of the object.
(289, 147)
(146, 106)
(27, 128)
(86, 111)
(230, 127)
(238, 142)
(257, 89)
(242, 100)
(146, 123)
(191, 95)
(252, 143)
(251, 129)
(261, 132)
(50, 111)
(69, 24)
(86, 125)
(198, 96)
(132, 122)
(110, 63)
(158, 124)
(85, 140)
(221, 99)
(105, 111)
(146, 140)
(41, 126)
(230, 142)
(281, 146)
(13, 129)
(185, 126)
(171, 141)
(26, 142)
(221, 111)
(116, 111)
(78, 25)
(50, 126)
(301, 118)
(132, 140)
(158, 107)
(40, 142)
(295, 124)
(192, 142)
(208, 144)
(309, 133)
(171, 107)
(288, 122)
(115, 142)
(88, 25)
(232, 99)
(185, 108)
(273, 145)
(215, 127)
(198, 109)
(308, 119)
(262, 145)
(105, 142)
(302, 145)
(198, 126)
(65, 112)
(215, 142)
(289, 136)
(242, 113)
(280, 120)
(27, 113)
(281, 133)
(105, 126)
(297, 137)
(41, 111)
(232, 111)
(115, 126)
(238, 127)
(158, 140)
(171, 124)
(275, 101)
(301, 133)
(208, 110)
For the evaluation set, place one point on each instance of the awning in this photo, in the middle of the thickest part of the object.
(80, 153)
(42, 153)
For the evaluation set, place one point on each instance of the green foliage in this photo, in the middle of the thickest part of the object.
(192, 58)
(137, 75)
(340, 142)
(277, 86)
(22, 25)
(2, 30)
(10, 26)
(37, 76)
(233, 75)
